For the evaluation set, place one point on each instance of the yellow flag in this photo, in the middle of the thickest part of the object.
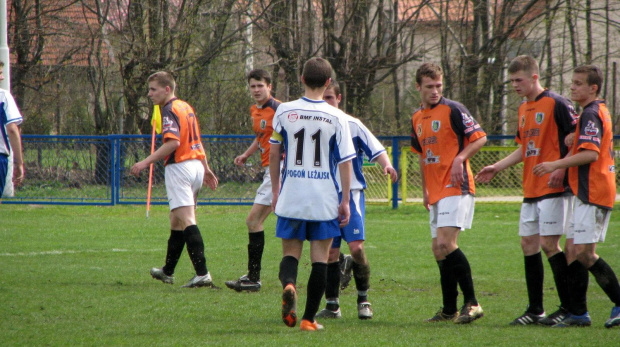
(156, 119)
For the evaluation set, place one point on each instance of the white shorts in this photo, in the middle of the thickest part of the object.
(545, 217)
(264, 195)
(452, 211)
(588, 223)
(183, 182)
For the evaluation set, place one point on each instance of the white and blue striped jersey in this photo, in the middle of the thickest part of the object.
(365, 143)
(9, 113)
(316, 138)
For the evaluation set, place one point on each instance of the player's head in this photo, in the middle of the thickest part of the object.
(332, 94)
(161, 87)
(523, 73)
(429, 82)
(316, 73)
(259, 82)
(586, 84)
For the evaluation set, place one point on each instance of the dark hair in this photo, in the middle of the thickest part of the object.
(316, 72)
(594, 75)
(163, 78)
(1, 64)
(430, 70)
(260, 74)
(333, 85)
(523, 63)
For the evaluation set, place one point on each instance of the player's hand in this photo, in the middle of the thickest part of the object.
(556, 179)
(456, 174)
(274, 201)
(344, 213)
(138, 167)
(544, 168)
(569, 140)
(210, 179)
(240, 160)
(486, 174)
(18, 174)
(389, 170)
(425, 200)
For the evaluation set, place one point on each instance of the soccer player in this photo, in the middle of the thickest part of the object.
(365, 143)
(186, 169)
(592, 178)
(445, 136)
(262, 113)
(316, 139)
(10, 141)
(545, 120)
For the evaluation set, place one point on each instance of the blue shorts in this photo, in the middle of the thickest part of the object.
(287, 228)
(4, 169)
(355, 230)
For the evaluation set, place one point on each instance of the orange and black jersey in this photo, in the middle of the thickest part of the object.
(439, 134)
(595, 183)
(262, 118)
(180, 123)
(543, 125)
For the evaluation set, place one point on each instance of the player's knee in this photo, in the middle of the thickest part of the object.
(530, 245)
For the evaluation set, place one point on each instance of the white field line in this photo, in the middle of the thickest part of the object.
(63, 252)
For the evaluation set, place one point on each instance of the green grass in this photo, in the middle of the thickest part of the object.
(79, 276)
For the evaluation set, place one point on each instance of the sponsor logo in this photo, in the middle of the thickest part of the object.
(431, 158)
(429, 141)
(468, 121)
(263, 124)
(531, 150)
(435, 125)
(540, 116)
(591, 129)
(293, 117)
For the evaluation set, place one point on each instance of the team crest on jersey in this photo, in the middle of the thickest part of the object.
(419, 130)
(612, 168)
(591, 129)
(531, 150)
(263, 124)
(522, 121)
(431, 158)
(435, 125)
(468, 121)
(293, 117)
(540, 116)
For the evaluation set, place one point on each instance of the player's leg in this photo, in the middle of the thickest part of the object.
(332, 307)
(292, 232)
(529, 231)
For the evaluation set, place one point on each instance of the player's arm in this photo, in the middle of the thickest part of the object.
(240, 159)
(16, 148)
(488, 172)
(344, 212)
(274, 171)
(456, 175)
(386, 164)
(424, 190)
(162, 152)
(585, 156)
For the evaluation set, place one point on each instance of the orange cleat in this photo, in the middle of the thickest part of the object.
(289, 305)
(307, 325)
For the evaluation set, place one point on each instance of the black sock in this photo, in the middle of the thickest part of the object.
(333, 280)
(361, 273)
(462, 272)
(255, 255)
(534, 280)
(606, 278)
(288, 270)
(196, 249)
(449, 289)
(316, 289)
(578, 279)
(560, 269)
(176, 243)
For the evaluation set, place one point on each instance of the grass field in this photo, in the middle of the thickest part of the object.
(79, 276)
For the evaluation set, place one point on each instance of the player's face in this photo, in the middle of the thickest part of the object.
(523, 83)
(430, 90)
(330, 97)
(158, 94)
(580, 91)
(260, 90)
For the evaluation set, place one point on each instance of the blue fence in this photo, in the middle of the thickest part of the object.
(94, 170)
